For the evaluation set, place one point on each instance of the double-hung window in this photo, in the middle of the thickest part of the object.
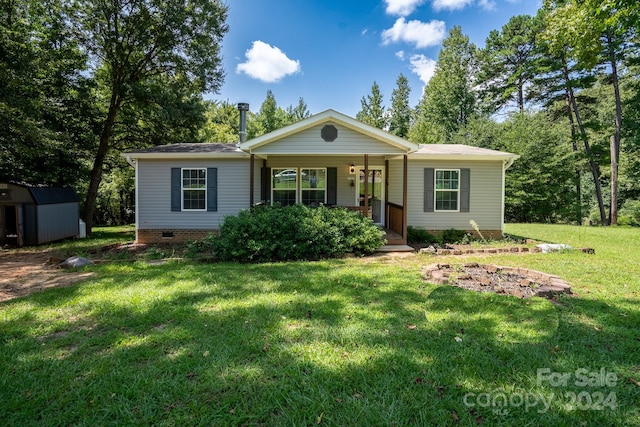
(447, 190)
(313, 186)
(194, 189)
(284, 186)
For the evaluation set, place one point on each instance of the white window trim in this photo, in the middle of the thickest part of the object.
(298, 183)
(313, 189)
(435, 190)
(182, 190)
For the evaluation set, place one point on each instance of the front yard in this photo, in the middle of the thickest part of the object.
(356, 341)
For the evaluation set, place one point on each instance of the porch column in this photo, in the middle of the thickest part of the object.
(251, 179)
(405, 180)
(366, 185)
(386, 193)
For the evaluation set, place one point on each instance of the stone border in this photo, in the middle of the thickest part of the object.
(547, 285)
(513, 250)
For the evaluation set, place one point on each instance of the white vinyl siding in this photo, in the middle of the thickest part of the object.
(309, 141)
(485, 194)
(153, 208)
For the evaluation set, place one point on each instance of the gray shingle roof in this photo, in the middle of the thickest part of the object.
(204, 147)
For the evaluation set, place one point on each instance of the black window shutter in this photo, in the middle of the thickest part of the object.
(265, 184)
(332, 186)
(176, 197)
(429, 177)
(212, 189)
(465, 189)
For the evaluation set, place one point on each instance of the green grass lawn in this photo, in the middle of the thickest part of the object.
(341, 342)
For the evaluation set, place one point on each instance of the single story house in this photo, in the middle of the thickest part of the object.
(184, 191)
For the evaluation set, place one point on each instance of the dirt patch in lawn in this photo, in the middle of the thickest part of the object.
(23, 273)
(519, 282)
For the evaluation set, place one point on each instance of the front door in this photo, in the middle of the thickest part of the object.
(376, 192)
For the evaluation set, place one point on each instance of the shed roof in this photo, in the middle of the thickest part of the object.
(53, 195)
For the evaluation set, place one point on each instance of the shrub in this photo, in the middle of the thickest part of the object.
(630, 213)
(452, 235)
(271, 233)
(419, 236)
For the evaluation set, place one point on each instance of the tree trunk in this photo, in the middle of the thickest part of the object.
(96, 171)
(574, 147)
(587, 148)
(615, 139)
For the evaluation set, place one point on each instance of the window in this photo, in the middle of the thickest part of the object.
(284, 186)
(194, 189)
(313, 186)
(447, 190)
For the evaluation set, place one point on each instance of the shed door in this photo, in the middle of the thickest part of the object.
(20, 225)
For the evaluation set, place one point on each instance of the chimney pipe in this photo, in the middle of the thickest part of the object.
(243, 107)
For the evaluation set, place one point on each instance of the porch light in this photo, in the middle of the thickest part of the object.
(352, 169)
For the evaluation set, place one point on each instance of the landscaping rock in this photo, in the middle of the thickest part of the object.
(75, 262)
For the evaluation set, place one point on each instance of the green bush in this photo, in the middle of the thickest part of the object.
(419, 236)
(629, 214)
(274, 233)
(453, 236)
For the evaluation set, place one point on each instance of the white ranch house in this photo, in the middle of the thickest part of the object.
(184, 191)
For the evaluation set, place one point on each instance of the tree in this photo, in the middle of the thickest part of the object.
(373, 112)
(400, 112)
(538, 185)
(46, 101)
(598, 32)
(135, 41)
(449, 99)
(269, 118)
(506, 63)
(297, 113)
(222, 122)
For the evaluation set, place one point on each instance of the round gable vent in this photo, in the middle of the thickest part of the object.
(329, 133)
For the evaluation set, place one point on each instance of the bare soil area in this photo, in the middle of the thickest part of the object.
(23, 273)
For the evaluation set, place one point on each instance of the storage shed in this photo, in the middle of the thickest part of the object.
(33, 215)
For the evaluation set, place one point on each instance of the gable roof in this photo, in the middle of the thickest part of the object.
(329, 116)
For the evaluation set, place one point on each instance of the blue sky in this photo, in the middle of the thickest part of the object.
(330, 52)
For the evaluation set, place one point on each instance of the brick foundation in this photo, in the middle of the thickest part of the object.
(170, 235)
(487, 234)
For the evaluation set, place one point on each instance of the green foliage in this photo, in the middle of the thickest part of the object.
(400, 111)
(453, 236)
(417, 235)
(297, 232)
(271, 117)
(507, 63)
(630, 213)
(449, 99)
(373, 112)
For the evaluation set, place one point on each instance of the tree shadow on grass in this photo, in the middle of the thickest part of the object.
(296, 343)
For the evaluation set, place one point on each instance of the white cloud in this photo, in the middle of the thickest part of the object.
(400, 55)
(424, 67)
(402, 7)
(267, 63)
(422, 34)
(487, 4)
(451, 4)
(364, 32)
